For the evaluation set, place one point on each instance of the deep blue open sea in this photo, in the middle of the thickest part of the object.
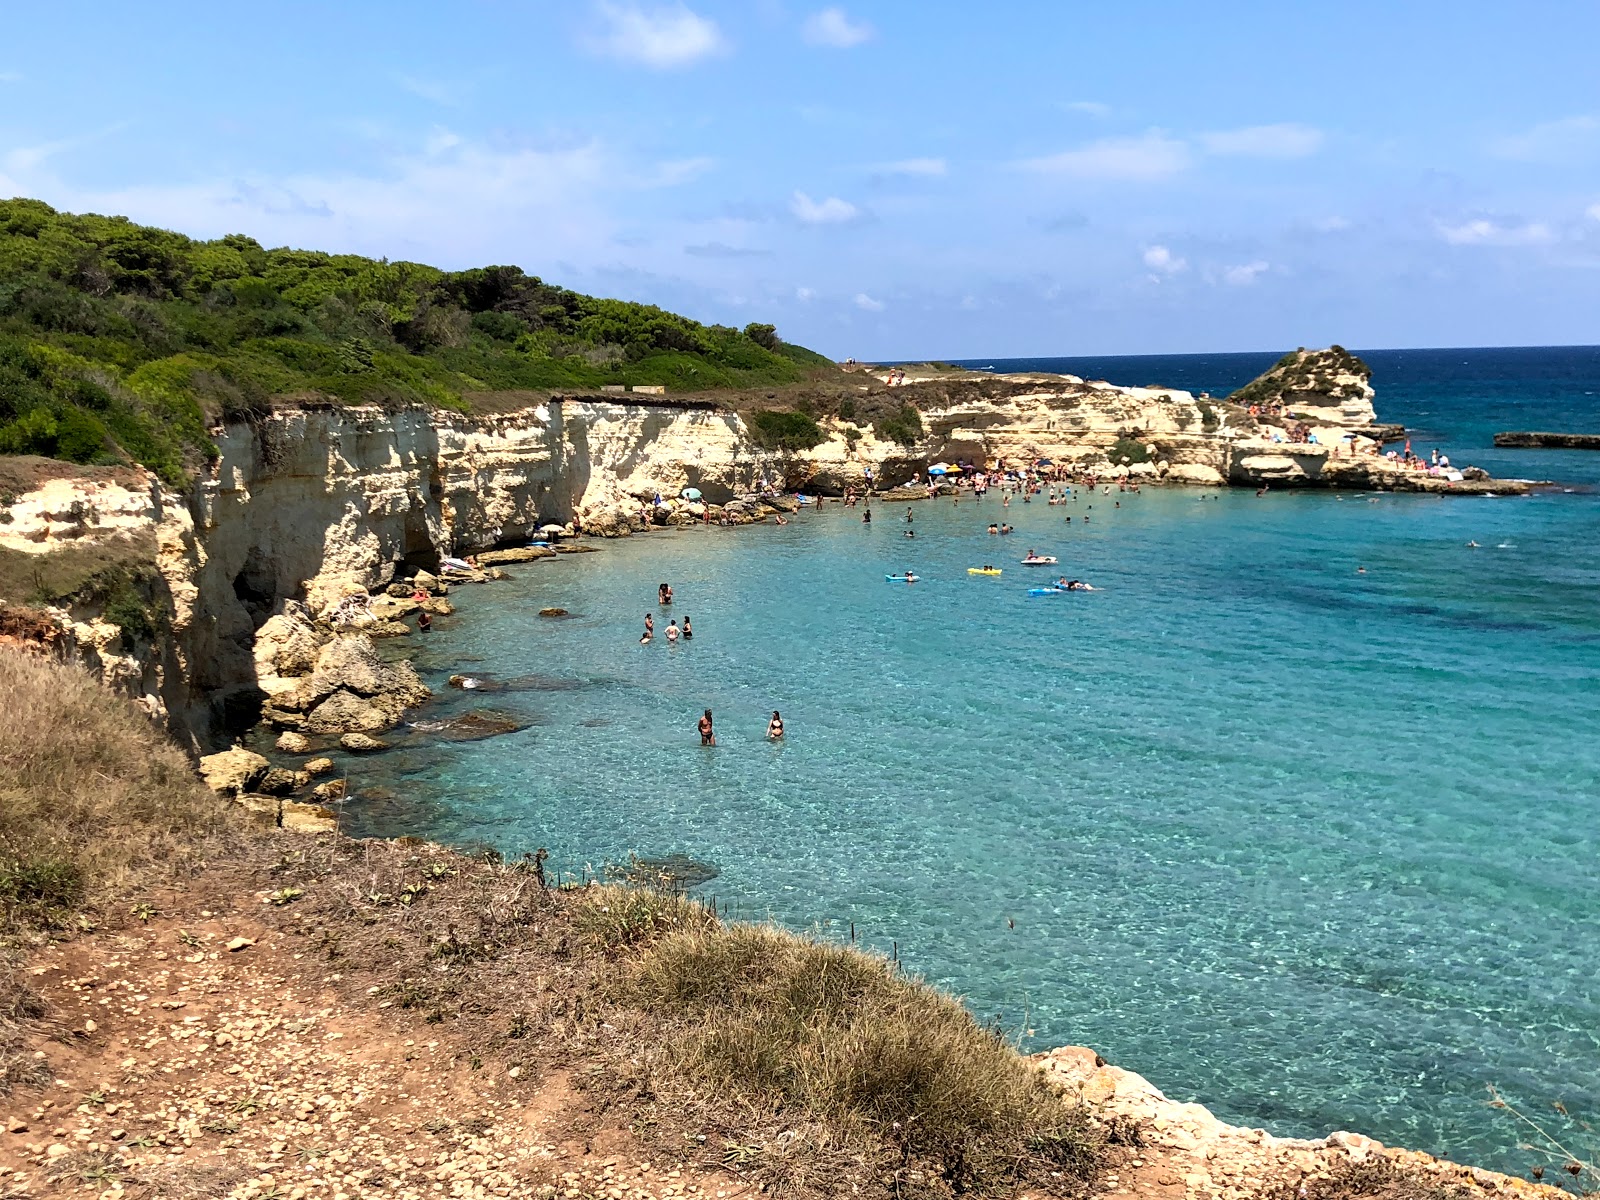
(1315, 847)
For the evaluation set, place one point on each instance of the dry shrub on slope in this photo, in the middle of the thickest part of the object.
(92, 798)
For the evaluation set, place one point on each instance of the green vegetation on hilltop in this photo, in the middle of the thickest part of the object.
(1310, 372)
(122, 337)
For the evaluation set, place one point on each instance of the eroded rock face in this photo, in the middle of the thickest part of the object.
(349, 688)
(231, 772)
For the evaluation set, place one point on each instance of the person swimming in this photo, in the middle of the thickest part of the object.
(775, 727)
(993, 528)
(911, 533)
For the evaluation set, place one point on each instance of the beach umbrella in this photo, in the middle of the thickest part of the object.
(551, 529)
(939, 470)
(1044, 462)
(690, 493)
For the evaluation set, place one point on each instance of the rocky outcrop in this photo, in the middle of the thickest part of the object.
(1548, 441)
(1186, 1153)
(318, 682)
(231, 772)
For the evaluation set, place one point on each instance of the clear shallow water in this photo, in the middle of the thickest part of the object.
(1316, 848)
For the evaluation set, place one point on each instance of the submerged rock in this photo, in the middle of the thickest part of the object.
(477, 725)
(553, 612)
(360, 743)
(318, 766)
(291, 742)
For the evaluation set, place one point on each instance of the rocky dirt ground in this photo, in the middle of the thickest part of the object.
(204, 1054)
(198, 1045)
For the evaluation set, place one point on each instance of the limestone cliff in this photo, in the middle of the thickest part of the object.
(318, 502)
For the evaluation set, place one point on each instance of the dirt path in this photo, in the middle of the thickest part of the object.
(204, 1055)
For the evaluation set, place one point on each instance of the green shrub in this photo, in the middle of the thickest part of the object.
(775, 430)
(1128, 448)
(904, 426)
(118, 335)
(47, 884)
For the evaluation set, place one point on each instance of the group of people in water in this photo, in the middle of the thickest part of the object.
(708, 729)
(673, 632)
(708, 733)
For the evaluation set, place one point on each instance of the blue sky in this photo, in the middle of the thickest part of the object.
(882, 179)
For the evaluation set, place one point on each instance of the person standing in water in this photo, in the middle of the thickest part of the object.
(664, 594)
(649, 628)
(708, 735)
(672, 631)
(687, 632)
(774, 727)
(866, 517)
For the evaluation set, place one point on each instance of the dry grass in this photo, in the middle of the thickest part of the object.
(80, 571)
(1376, 1179)
(92, 798)
(771, 1021)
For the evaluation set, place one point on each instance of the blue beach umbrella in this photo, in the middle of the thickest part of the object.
(690, 493)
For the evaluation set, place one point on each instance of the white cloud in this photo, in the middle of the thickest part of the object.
(929, 168)
(1151, 156)
(441, 141)
(1089, 108)
(662, 37)
(867, 304)
(1593, 212)
(1569, 140)
(1484, 232)
(1159, 258)
(805, 295)
(454, 204)
(832, 211)
(427, 89)
(1245, 273)
(1265, 141)
(831, 27)
(682, 170)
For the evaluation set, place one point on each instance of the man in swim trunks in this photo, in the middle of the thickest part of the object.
(708, 736)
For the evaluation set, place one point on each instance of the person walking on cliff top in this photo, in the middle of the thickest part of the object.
(708, 735)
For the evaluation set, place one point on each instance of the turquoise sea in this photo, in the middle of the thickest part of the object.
(1315, 847)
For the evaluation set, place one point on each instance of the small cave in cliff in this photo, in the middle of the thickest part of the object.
(256, 587)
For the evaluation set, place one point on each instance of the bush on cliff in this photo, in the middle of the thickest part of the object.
(774, 430)
(903, 426)
(119, 339)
